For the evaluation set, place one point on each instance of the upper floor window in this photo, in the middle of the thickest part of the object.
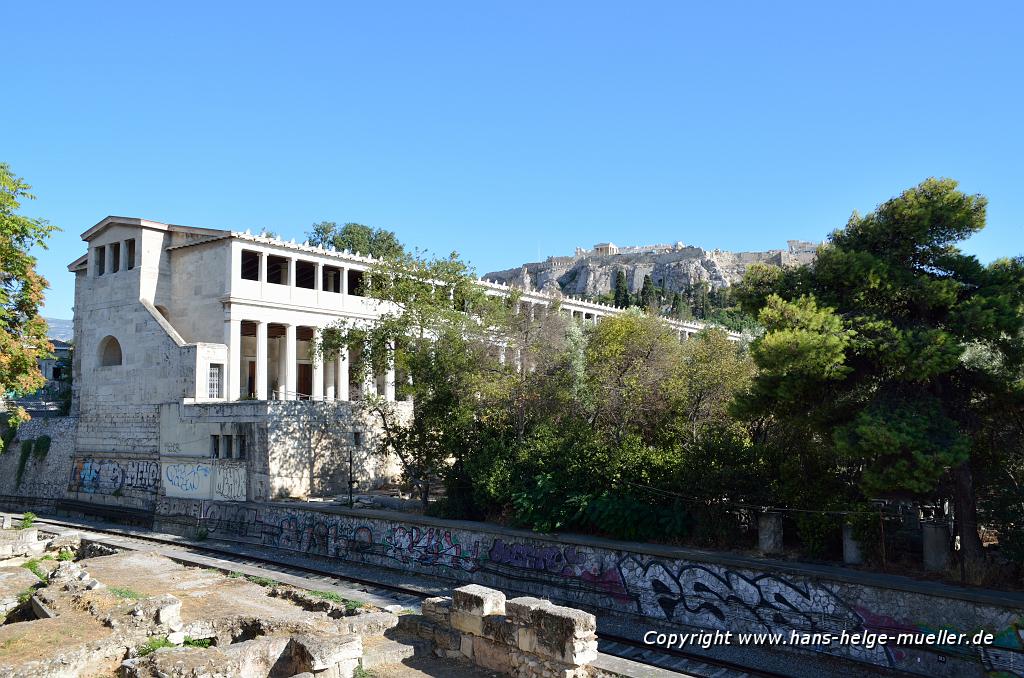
(129, 254)
(110, 352)
(99, 256)
(115, 256)
(250, 265)
(331, 279)
(277, 270)
(305, 274)
(214, 381)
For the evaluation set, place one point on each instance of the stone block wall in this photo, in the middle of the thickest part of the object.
(43, 478)
(524, 637)
(635, 588)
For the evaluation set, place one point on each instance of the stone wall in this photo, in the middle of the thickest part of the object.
(523, 637)
(639, 587)
(46, 477)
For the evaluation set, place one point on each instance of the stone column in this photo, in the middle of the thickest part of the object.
(330, 374)
(370, 378)
(852, 553)
(389, 376)
(341, 374)
(291, 272)
(318, 369)
(290, 354)
(261, 361)
(263, 267)
(234, 366)
(344, 280)
(318, 284)
(769, 533)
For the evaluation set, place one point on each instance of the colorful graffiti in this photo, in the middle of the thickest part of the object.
(565, 561)
(669, 592)
(114, 476)
(430, 546)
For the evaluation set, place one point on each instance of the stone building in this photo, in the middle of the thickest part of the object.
(193, 374)
(192, 371)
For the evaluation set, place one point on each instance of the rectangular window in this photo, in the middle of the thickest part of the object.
(305, 274)
(214, 381)
(357, 438)
(277, 270)
(56, 373)
(355, 282)
(240, 446)
(115, 257)
(250, 265)
(129, 251)
(225, 447)
(215, 447)
(99, 255)
(332, 279)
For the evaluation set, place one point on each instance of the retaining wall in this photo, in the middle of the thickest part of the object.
(641, 587)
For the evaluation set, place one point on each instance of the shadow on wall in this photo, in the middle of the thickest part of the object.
(309, 445)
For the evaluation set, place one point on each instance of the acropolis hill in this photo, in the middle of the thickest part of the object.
(671, 267)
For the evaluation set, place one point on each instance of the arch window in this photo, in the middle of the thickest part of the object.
(110, 352)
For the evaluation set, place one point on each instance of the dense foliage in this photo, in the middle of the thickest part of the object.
(22, 330)
(888, 371)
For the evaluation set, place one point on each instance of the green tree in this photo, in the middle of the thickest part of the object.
(435, 332)
(22, 330)
(869, 347)
(648, 295)
(701, 300)
(375, 242)
(621, 290)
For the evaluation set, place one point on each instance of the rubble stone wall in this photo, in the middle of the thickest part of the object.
(43, 477)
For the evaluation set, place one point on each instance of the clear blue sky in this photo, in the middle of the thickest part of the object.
(513, 130)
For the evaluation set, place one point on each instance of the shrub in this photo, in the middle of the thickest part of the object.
(350, 605)
(33, 567)
(27, 519)
(152, 645)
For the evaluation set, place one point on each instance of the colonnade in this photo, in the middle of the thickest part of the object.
(329, 376)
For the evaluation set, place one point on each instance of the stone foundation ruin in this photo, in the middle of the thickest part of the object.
(74, 607)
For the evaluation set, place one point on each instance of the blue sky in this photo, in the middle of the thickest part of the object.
(509, 131)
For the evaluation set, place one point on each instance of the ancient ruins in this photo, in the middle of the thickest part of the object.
(73, 607)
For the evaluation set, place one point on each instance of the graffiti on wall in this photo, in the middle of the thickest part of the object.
(565, 561)
(430, 546)
(114, 476)
(671, 591)
(187, 479)
(230, 483)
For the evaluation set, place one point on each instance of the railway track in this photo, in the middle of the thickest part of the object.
(380, 593)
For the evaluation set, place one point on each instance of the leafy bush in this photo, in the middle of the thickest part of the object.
(27, 519)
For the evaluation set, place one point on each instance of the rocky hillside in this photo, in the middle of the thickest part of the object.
(671, 267)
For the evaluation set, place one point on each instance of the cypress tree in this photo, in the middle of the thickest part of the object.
(648, 295)
(621, 291)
